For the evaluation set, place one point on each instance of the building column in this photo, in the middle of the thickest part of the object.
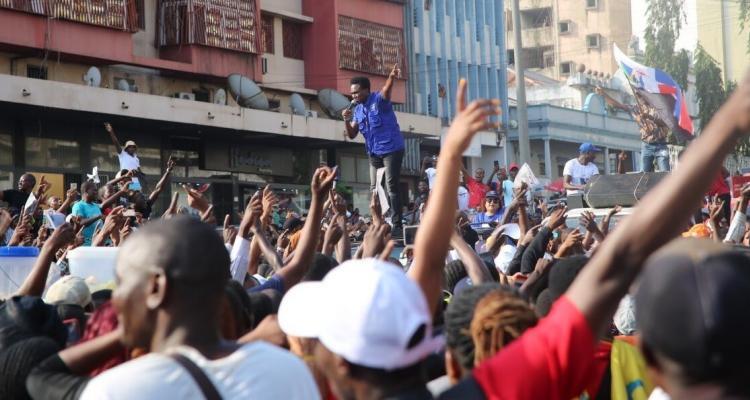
(607, 169)
(547, 160)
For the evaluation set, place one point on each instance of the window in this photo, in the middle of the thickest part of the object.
(592, 4)
(292, 40)
(140, 7)
(202, 95)
(566, 68)
(52, 153)
(511, 57)
(592, 41)
(564, 26)
(36, 72)
(369, 47)
(267, 34)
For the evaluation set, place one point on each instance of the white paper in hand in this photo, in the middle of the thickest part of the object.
(382, 196)
(31, 204)
(525, 174)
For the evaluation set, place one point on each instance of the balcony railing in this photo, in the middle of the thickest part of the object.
(115, 14)
(227, 24)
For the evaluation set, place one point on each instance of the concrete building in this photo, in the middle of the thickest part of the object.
(163, 69)
(720, 34)
(559, 36)
(451, 39)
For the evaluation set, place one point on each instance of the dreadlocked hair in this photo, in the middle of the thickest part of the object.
(499, 318)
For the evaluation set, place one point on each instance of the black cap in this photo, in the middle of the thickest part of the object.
(293, 223)
(692, 305)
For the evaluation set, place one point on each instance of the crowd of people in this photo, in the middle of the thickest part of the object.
(534, 310)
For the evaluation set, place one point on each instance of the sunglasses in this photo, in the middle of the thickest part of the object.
(492, 200)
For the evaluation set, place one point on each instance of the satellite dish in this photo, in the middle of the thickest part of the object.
(297, 104)
(93, 77)
(220, 96)
(333, 102)
(123, 85)
(247, 93)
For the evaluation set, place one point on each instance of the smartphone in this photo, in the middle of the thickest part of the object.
(129, 213)
(74, 330)
(496, 164)
(74, 185)
(410, 232)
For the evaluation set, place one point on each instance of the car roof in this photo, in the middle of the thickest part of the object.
(598, 212)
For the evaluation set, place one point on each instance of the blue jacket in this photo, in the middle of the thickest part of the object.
(377, 123)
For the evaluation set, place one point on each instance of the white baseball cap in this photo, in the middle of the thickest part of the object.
(366, 311)
(69, 290)
(513, 231)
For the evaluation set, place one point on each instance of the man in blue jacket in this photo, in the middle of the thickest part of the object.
(374, 118)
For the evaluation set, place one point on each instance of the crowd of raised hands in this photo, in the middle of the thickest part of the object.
(522, 316)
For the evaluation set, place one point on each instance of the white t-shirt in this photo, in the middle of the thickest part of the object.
(127, 161)
(580, 173)
(431, 174)
(463, 198)
(256, 370)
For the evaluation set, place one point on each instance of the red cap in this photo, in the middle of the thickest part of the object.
(513, 165)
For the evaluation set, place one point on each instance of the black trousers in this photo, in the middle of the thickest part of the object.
(392, 164)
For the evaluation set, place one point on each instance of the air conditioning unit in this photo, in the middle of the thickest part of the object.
(311, 114)
(185, 96)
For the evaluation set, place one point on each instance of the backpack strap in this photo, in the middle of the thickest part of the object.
(200, 377)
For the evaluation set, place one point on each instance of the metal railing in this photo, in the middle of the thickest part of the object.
(115, 14)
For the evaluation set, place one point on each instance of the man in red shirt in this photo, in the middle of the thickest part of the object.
(476, 186)
(720, 189)
(552, 359)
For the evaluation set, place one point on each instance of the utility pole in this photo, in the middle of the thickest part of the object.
(523, 121)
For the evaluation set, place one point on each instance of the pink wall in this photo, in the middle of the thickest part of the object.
(21, 32)
(321, 46)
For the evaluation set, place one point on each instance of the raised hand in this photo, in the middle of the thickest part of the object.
(170, 164)
(338, 203)
(614, 210)
(108, 127)
(195, 199)
(375, 240)
(622, 156)
(332, 236)
(395, 72)
(588, 221)
(529, 236)
(322, 181)
(376, 211)
(715, 209)
(230, 232)
(44, 186)
(557, 218)
(253, 211)
(572, 240)
(470, 119)
(23, 229)
(208, 215)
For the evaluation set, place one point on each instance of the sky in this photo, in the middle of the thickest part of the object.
(688, 35)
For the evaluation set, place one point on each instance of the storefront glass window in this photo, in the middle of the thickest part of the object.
(52, 153)
(6, 149)
(104, 156)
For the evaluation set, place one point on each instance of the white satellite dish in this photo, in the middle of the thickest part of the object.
(93, 77)
(123, 85)
(333, 102)
(247, 93)
(220, 96)
(297, 104)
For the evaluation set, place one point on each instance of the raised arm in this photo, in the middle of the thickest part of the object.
(70, 197)
(473, 264)
(611, 101)
(112, 199)
(431, 244)
(297, 267)
(387, 88)
(162, 182)
(34, 283)
(660, 216)
(115, 141)
(621, 158)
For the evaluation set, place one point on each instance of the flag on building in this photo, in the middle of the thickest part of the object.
(660, 90)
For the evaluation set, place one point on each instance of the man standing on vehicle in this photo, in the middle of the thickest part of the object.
(374, 118)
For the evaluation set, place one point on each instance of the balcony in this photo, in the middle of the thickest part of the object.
(534, 4)
(537, 37)
(115, 14)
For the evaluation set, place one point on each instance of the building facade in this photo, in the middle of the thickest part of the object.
(447, 40)
(560, 36)
(163, 68)
(719, 32)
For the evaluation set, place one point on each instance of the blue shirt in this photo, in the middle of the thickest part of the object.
(377, 123)
(86, 211)
(483, 218)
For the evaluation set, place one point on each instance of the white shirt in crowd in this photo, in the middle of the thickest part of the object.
(256, 370)
(431, 174)
(127, 161)
(463, 199)
(580, 173)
